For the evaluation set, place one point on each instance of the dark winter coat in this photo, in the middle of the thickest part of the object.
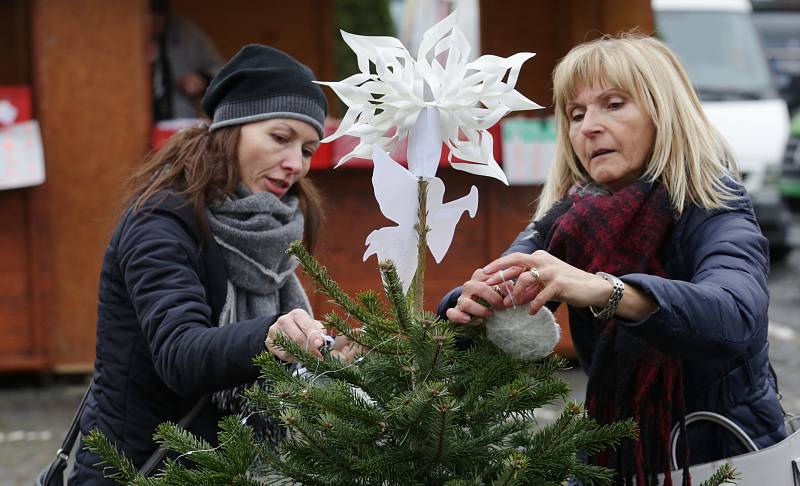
(712, 312)
(162, 287)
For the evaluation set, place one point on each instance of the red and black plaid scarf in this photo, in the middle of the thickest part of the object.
(622, 233)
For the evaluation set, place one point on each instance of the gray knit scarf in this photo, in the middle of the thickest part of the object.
(253, 232)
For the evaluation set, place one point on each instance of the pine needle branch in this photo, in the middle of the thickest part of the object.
(444, 408)
(370, 300)
(174, 438)
(512, 468)
(323, 281)
(595, 438)
(548, 366)
(408, 411)
(123, 469)
(314, 449)
(329, 366)
(726, 474)
(592, 474)
(394, 292)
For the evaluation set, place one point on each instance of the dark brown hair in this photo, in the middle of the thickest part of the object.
(203, 166)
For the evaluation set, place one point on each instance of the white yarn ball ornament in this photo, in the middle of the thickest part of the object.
(522, 335)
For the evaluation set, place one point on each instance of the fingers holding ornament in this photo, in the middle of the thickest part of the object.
(528, 286)
(469, 311)
(476, 302)
(456, 314)
(540, 277)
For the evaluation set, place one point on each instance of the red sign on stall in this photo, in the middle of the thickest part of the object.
(19, 97)
(21, 153)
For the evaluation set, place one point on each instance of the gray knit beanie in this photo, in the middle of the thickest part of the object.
(260, 83)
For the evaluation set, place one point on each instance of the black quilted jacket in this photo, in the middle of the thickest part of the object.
(162, 286)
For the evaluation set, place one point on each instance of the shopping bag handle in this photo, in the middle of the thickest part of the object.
(716, 418)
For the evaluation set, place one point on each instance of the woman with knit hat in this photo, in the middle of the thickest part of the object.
(645, 232)
(196, 281)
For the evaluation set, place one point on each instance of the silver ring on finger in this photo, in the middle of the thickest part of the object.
(534, 273)
(498, 290)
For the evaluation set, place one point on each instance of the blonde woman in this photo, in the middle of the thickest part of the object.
(644, 230)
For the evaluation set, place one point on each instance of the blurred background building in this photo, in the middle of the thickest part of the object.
(778, 23)
(85, 67)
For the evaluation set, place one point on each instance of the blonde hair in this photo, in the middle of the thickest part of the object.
(689, 156)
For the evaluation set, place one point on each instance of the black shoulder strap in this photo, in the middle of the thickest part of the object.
(75, 427)
(55, 471)
(59, 464)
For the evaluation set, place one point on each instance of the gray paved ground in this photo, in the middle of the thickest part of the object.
(34, 416)
(35, 412)
(784, 330)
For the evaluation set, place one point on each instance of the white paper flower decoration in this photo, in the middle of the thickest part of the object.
(385, 99)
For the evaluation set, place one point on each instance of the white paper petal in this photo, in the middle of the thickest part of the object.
(345, 125)
(373, 48)
(516, 101)
(425, 144)
(443, 218)
(435, 34)
(362, 151)
(489, 170)
(485, 151)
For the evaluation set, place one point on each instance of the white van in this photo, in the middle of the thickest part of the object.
(719, 46)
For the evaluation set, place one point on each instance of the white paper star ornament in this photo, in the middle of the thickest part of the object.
(384, 102)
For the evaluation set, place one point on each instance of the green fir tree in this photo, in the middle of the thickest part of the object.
(412, 409)
(415, 408)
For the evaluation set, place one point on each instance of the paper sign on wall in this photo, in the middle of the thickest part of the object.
(528, 149)
(21, 155)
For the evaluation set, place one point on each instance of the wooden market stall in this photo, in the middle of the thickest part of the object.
(86, 65)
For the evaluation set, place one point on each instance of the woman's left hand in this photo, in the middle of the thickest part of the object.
(541, 277)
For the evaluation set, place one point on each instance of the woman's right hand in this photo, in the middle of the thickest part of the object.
(468, 308)
(346, 350)
(299, 327)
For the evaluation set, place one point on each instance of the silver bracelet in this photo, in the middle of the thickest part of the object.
(613, 301)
